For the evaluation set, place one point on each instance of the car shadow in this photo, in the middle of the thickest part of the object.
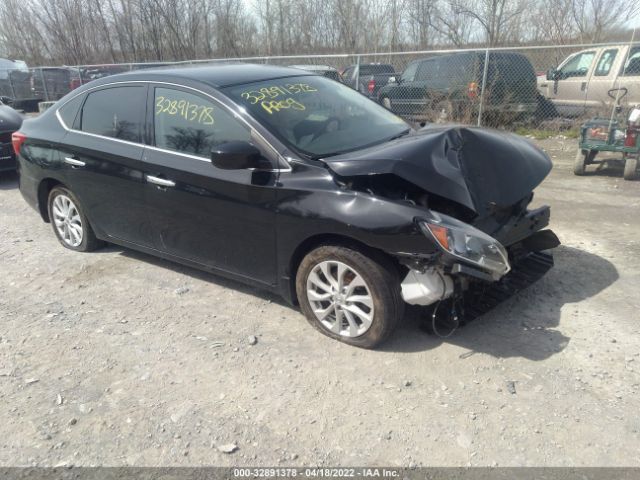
(526, 324)
(8, 180)
(198, 274)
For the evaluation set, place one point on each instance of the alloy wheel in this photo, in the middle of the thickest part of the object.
(67, 221)
(340, 298)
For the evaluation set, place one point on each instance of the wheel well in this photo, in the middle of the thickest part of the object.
(44, 188)
(316, 241)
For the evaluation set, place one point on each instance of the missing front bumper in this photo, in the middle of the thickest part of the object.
(481, 297)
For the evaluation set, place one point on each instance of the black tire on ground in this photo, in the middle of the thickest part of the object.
(545, 110)
(630, 168)
(89, 240)
(583, 158)
(382, 280)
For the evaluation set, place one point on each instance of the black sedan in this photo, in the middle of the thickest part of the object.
(10, 121)
(291, 182)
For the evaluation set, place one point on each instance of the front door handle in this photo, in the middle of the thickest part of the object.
(163, 182)
(74, 162)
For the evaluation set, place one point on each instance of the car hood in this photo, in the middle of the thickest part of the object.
(478, 168)
(10, 120)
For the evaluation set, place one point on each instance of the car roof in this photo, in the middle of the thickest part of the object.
(218, 76)
(314, 67)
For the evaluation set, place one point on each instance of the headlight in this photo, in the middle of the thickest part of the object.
(467, 243)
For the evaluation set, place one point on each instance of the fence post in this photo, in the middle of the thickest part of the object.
(357, 87)
(484, 83)
(13, 90)
(44, 85)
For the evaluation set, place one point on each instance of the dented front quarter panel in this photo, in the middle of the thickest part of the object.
(311, 204)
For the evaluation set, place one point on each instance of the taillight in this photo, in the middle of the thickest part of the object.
(371, 86)
(631, 138)
(17, 139)
(472, 90)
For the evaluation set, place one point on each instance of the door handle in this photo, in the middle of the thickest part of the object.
(163, 182)
(74, 162)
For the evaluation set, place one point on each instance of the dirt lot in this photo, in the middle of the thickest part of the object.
(117, 358)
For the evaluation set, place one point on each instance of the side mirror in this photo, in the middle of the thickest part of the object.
(235, 156)
(552, 74)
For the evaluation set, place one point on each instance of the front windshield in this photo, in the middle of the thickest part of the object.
(316, 116)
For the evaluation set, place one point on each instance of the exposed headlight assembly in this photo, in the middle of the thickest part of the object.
(467, 244)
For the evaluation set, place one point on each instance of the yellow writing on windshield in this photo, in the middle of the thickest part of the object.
(190, 111)
(272, 92)
(276, 105)
(271, 97)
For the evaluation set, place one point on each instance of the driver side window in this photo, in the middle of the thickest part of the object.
(578, 66)
(188, 123)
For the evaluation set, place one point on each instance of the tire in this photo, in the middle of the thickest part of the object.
(630, 169)
(72, 229)
(583, 158)
(381, 289)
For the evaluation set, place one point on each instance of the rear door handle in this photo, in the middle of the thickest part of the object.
(163, 182)
(74, 162)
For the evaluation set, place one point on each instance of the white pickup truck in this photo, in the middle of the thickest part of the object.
(579, 85)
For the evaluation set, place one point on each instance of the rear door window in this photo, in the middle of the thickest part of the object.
(188, 123)
(604, 64)
(632, 65)
(116, 112)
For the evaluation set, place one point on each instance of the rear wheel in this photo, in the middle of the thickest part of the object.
(70, 224)
(630, 168)
(349, 296)
(583, 158)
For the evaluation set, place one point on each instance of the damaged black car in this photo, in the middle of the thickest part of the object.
(296, 184)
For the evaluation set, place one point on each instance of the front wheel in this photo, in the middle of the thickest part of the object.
(583, 158)
(630, 168)
(69, 222)
(349, 296)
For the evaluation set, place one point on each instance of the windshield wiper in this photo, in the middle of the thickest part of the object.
(401, 134)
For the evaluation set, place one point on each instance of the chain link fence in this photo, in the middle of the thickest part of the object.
(550, 87)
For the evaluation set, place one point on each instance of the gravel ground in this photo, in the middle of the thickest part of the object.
(118, 358)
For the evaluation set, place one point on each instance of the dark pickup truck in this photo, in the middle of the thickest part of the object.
(370, 77)
(449, 88)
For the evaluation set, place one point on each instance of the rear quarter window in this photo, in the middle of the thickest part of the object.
(116, 112)
(69, 111)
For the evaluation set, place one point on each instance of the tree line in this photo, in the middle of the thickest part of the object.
(75, 32)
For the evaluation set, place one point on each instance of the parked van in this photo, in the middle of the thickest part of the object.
(581, 82)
